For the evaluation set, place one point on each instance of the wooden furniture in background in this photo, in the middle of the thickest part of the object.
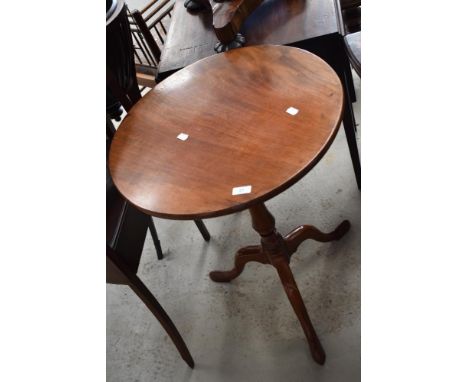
(287, 22)
(133, 50)
(149, 29)
(350, 11)
(349, 17)
(353, 47)
(308, 24)
(248, 139)
(227, 16)
(121, 83)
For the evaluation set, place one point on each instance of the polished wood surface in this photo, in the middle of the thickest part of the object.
(233, 107)
(283, 22)
(313, 25)
(277, 251)
(127, 226)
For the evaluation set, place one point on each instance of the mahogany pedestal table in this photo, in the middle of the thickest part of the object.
(258, 118)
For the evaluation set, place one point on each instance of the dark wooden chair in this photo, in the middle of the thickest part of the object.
(353, 48)
(126, 229)
(149, 28)
(134, 41)
(122, 270)
(351, 15)
(121, 83)
(350, 28)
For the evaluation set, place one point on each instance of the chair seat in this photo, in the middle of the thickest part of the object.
(353, 47)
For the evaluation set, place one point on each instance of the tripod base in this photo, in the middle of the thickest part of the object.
(277, 250)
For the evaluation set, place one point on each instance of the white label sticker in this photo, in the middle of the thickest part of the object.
(182, 136)
(292, 110)
(242, 190)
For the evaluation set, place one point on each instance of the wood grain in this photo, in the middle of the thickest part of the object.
(191, 36)
(313, 25)
(233, 107)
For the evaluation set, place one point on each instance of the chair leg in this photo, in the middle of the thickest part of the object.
(341, 65)
(156, 241)
(349, 123)
(153, 305)
(350, 83)
(203, 230)
(349, 127)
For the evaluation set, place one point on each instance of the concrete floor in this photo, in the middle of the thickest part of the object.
(246, 330)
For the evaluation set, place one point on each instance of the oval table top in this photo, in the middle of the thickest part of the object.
(233, 107)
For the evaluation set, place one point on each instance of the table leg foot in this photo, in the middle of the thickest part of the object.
(243, 256)
(295, 298)
(304, 232)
